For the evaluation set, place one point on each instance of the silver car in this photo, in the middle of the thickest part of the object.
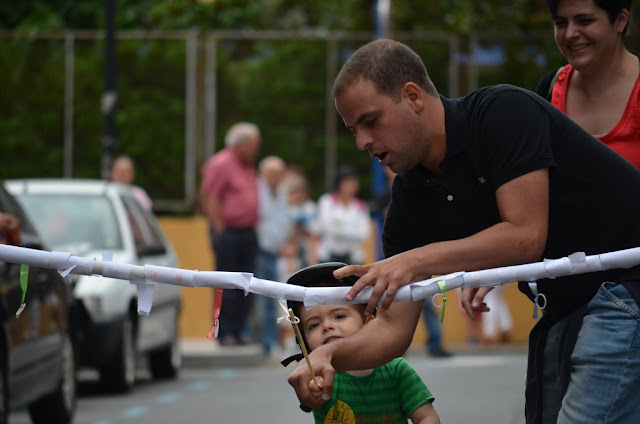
(91, 218)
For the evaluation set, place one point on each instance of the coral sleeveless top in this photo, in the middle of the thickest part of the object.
(624, 138)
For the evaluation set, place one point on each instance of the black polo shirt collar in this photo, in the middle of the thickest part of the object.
(455, 127)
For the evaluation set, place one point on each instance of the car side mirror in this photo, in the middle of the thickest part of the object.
(152, 250)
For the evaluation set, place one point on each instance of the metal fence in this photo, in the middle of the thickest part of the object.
(197, 110)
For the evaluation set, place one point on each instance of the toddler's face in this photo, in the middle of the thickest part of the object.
(324, 324)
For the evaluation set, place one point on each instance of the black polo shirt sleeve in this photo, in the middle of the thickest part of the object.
(510, 134)
(491, 139)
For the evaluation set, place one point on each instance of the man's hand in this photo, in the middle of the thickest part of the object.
(472, 299)
(213, 213)
(389, 274)
(314, 393)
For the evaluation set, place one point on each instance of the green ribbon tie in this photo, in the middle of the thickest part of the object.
(24, 282)
(443, 290)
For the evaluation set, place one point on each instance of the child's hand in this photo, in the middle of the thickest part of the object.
(315, 387)
(314, 393)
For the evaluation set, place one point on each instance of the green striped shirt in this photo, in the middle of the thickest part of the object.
(387, 395)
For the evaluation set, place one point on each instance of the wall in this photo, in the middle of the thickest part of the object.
(190, 238)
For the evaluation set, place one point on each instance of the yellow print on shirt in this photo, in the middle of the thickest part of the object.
(340, 413)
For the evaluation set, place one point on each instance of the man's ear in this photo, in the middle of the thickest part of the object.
(414, 95)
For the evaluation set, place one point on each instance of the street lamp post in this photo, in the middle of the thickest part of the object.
(110, 95)
(378, 178)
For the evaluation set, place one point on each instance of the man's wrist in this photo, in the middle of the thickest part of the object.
(328, 351)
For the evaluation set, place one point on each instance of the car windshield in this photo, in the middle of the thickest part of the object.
(74, 223)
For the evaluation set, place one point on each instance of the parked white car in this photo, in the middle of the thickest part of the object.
(90, 218)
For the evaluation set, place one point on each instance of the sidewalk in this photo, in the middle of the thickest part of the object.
(203, 353)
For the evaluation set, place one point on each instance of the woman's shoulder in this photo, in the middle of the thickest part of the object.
(545, 83)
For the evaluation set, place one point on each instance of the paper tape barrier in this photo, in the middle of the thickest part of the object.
(143, 276)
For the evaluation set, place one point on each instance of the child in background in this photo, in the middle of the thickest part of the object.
(289, 262)
(497, 324)
(302, 213)
(392, 393)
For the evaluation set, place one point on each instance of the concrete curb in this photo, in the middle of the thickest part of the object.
(205, 353)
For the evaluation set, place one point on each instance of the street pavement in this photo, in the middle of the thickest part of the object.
(480, 384)
(237, 385)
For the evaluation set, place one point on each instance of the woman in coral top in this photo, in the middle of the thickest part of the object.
(600, 86)
(599, 89)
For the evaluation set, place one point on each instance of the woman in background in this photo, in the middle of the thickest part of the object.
(600, 86)
(343, 223)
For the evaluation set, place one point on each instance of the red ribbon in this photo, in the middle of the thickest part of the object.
(217, 304)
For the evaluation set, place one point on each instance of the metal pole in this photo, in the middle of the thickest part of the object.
(330, 121)
(383, 11)
(68, 103)
(110, 96)
(473, 78)
(454, 66)
(210, 105)
(191, 121)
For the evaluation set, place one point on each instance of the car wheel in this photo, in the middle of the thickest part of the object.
(119, 374)
(60, 405)
(165, 362)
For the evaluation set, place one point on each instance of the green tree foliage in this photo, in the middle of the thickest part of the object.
(278, 84)
(467, 16)
(31, 108)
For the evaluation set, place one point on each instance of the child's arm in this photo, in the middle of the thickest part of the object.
(426, 414)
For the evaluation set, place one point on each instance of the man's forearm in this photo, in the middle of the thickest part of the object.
(382, 339)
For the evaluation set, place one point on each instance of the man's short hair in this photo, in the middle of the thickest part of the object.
(389, 65)
(240, 132)
(269, 162)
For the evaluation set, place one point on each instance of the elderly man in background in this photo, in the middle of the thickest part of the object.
(230, 202)
(274, 228)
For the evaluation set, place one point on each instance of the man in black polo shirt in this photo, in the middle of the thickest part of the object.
(497, 178)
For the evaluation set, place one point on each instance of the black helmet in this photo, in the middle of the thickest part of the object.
(320, 275)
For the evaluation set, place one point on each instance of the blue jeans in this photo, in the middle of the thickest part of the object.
(432, 322)
(605, 378)
(268, 270)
